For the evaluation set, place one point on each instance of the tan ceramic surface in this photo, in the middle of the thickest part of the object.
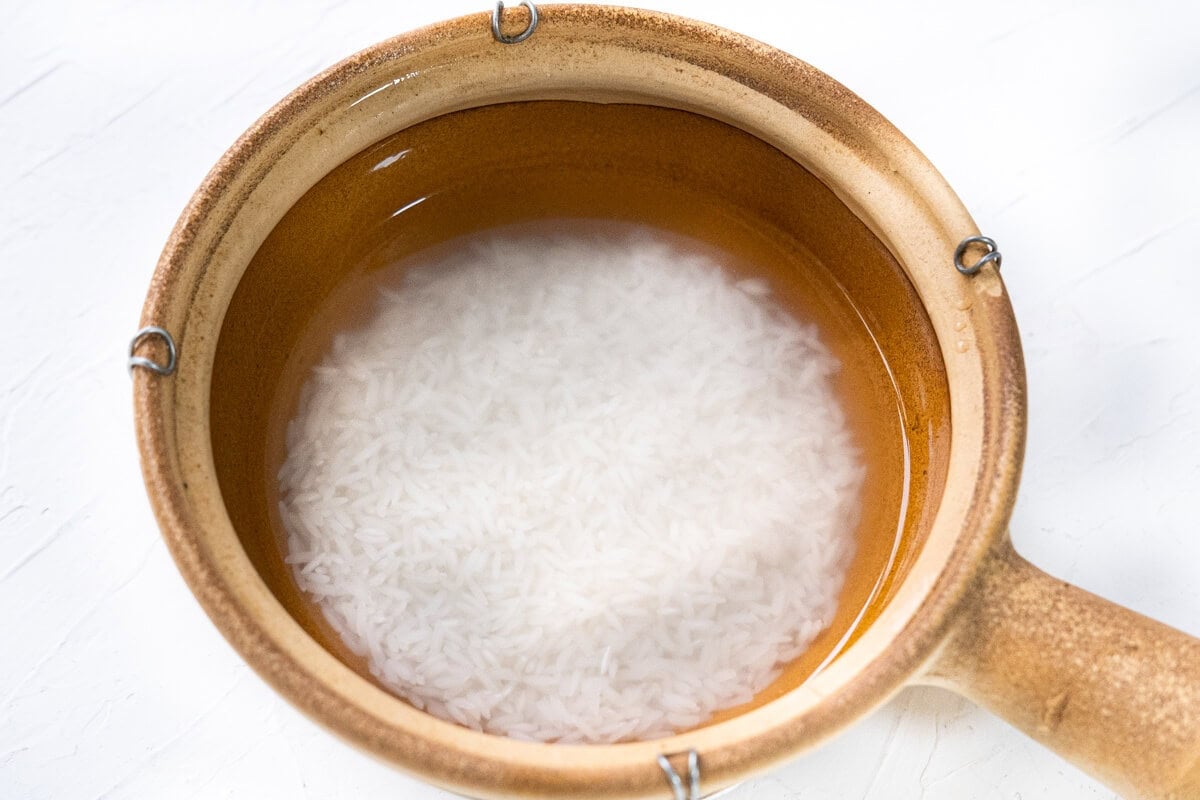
(1107, 688)
(967, 614)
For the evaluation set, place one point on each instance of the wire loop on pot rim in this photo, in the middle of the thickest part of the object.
(146, 363)
(992, 256)
(679, 792)
(504, 38)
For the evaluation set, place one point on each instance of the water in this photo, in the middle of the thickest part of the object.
(694, 180)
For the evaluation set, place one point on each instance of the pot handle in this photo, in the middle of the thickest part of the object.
(1110, 690)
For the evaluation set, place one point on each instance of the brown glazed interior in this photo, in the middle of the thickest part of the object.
(841, 182)
(671, 169)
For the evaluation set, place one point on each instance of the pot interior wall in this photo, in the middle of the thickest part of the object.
(674, 170)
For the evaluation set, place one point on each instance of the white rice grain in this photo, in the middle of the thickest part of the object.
(573, 488)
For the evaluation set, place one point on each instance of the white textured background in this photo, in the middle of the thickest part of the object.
(1070, 129)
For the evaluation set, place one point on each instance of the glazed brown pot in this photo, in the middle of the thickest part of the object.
(1114, 692)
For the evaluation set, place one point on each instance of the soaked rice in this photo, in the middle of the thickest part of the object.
(573, 488)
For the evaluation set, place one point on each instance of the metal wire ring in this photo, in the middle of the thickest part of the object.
(523, 35)
(992, 257)
(146, 363)
(692, 792)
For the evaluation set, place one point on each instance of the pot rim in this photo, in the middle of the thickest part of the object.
(870, 165)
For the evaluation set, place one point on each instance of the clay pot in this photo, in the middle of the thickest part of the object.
(955, 606)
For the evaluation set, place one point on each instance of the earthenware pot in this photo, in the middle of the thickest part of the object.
(1112, 691)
